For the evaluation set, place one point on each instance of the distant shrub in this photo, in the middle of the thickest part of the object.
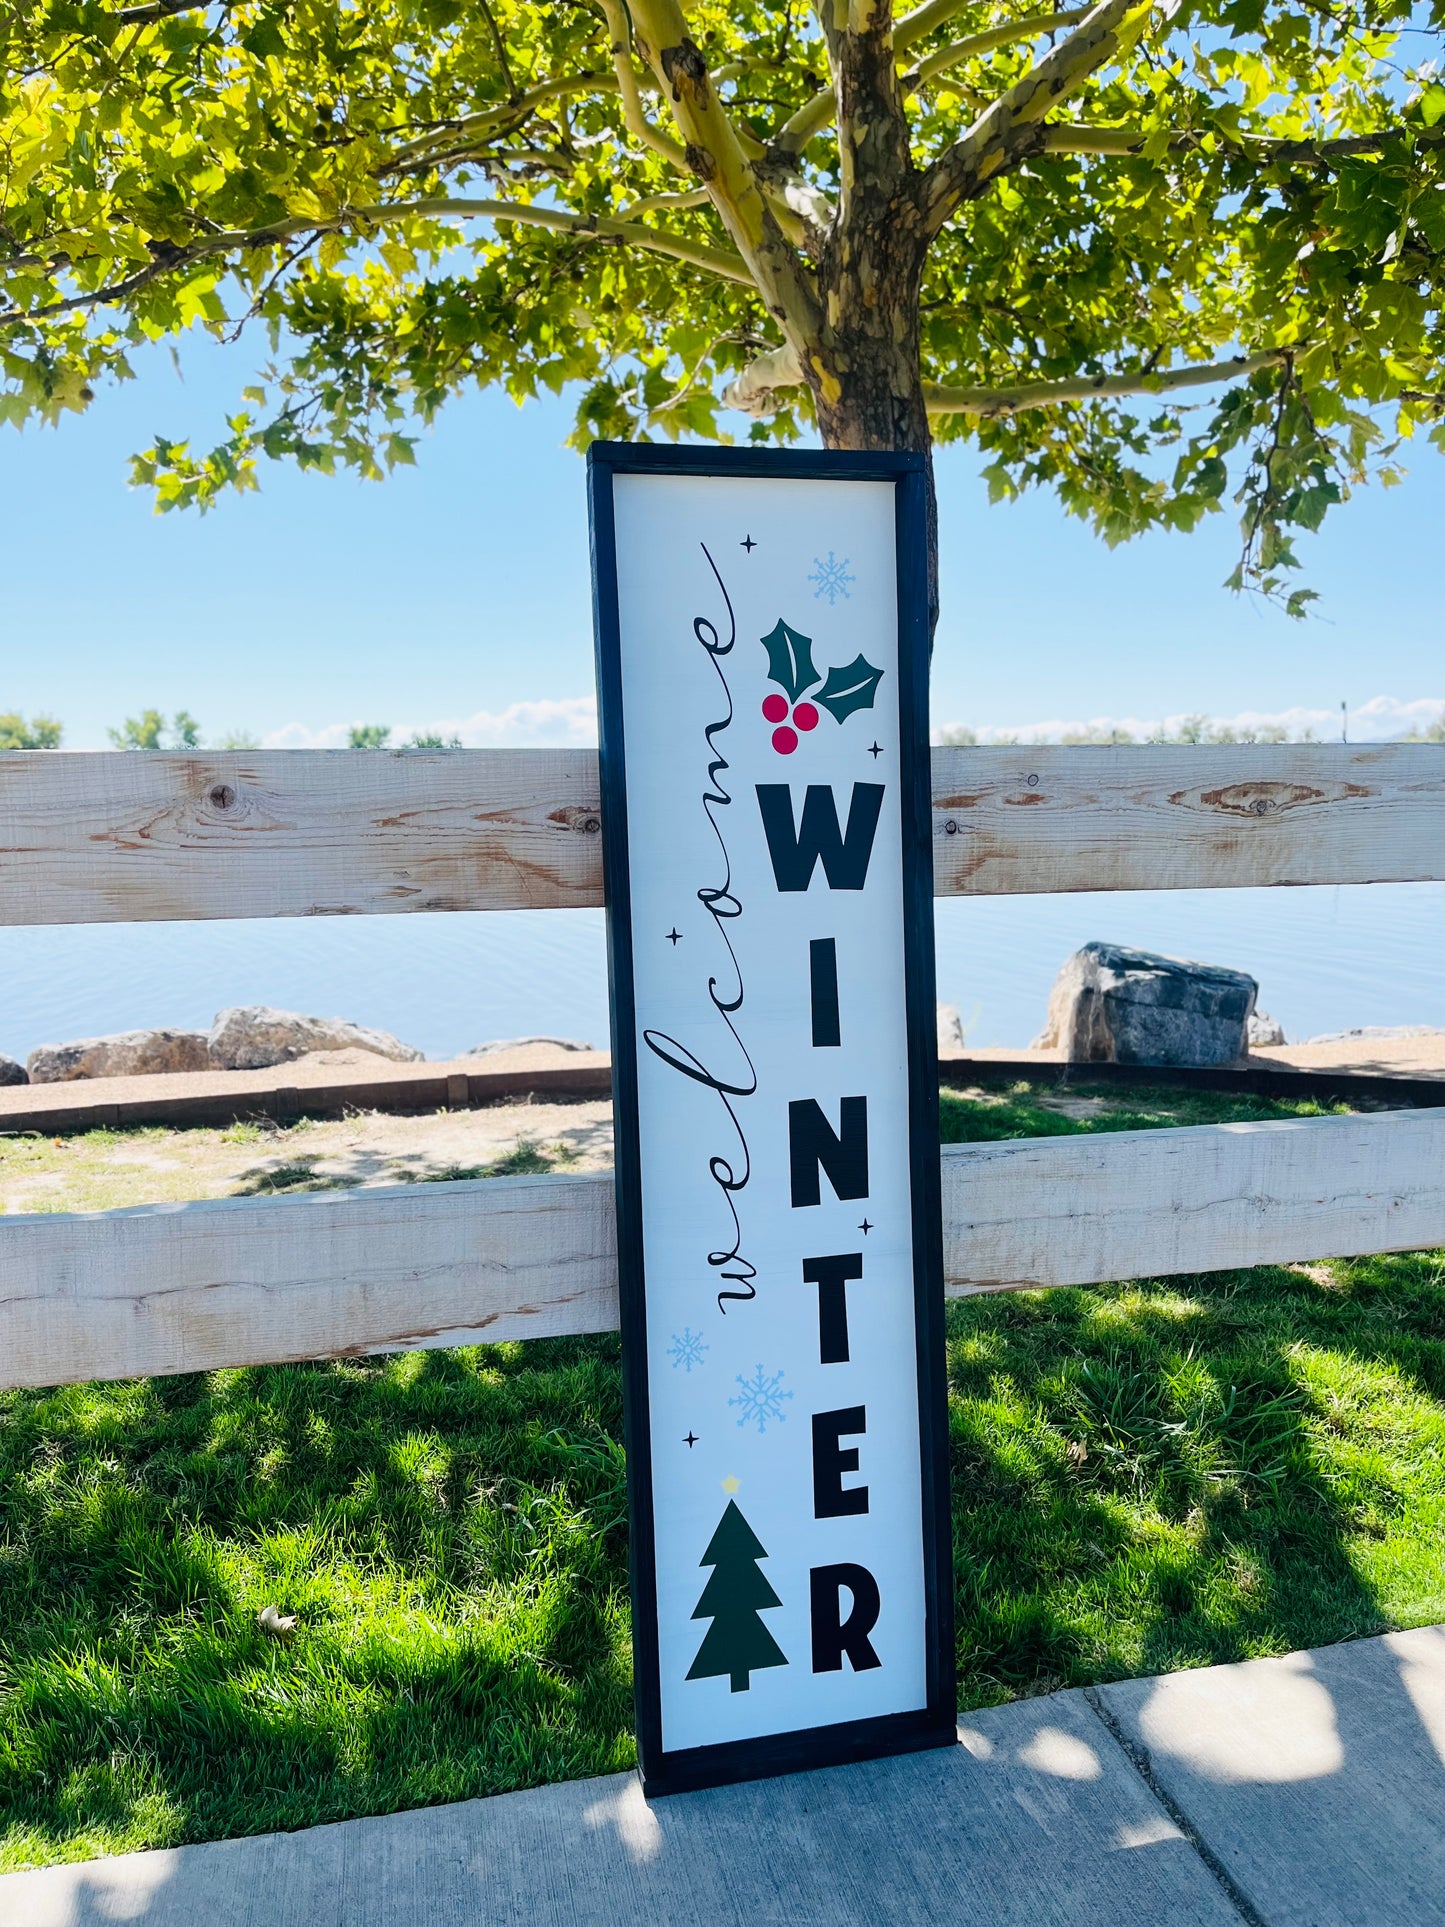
(41, 732)
(150, 730)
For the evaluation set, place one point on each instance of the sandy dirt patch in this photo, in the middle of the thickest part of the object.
(104, 1170)
(1406, 1053)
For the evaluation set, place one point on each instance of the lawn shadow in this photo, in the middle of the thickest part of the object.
(1145, 1478)
(1188, 1473)
(449, 1529)
(346, 1167)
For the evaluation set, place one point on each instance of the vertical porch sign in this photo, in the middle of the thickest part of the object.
(762, 658)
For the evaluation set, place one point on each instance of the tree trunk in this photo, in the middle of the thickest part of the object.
(865, 371)
(875, 403)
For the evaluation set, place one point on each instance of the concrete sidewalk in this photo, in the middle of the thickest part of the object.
(1307, 1791)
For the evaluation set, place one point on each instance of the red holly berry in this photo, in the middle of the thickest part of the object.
(805, 716)
(775, 707)
(785, 741)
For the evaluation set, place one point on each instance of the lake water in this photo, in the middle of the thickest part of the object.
(1325, 959)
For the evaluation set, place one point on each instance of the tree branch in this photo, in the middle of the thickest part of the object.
(755, 390)
(873, 149)
(660, 203)
(817, 113)
(989, 403)
(716, 157)
(975, 44)
(504, 66)
(917, 25)
(1127, 142)
(697, 254)
(502, 117)
(632, 110)
(157, 10)
(1011, 127)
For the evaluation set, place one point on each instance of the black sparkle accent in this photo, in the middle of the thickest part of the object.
(674, 936)
(691, 1439)
(748, 544)
(865, 1227)
(875, 750)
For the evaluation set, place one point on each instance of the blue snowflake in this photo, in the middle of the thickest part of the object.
(686, 1349)
(832, 578)
(760, 1399)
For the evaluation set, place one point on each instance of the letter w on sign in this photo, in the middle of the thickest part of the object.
(797, 849)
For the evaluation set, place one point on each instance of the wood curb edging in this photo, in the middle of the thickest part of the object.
(432, 1090)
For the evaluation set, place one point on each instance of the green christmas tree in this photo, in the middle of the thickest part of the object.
(737, 1643)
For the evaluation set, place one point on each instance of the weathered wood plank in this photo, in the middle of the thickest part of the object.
(178, 1288)
(187, 1098)
(1186, 817)
(213, 1098)
(1214, 1197)
(192, 1287)
(122, 837)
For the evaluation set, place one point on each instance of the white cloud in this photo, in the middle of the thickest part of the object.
(1379, 720)
(298, 736)
(1385, 716)
(543, 724)
(571, 721)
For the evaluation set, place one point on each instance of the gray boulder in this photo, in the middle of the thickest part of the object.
(524, 1043)
(129, 1053)
(13, 1073)
(1262, 1029)
(252, 1037)
(1112, 1005)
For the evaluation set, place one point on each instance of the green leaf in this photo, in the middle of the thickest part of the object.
(265, 40)
(790, 660)
(229, 128)
(852, 687)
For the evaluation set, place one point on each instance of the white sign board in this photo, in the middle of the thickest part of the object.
(762, 656)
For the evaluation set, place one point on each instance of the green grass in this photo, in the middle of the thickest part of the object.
(1145, 1476)
(1024, 1112)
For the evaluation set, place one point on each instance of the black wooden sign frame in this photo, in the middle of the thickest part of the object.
(935, 1723)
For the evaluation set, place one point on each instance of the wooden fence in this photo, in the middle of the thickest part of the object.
(126, 837)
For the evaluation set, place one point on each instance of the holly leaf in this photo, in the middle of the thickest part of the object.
(852, 687)
(790, 660)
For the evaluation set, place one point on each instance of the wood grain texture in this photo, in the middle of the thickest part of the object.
(1215, 1197)
(126, 837)
(1186, 817)
(123, 837)
(193, 1287)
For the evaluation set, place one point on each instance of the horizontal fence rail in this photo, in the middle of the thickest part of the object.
(136, 837)
(193, 1287)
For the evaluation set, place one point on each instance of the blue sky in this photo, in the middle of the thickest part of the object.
(457, 591)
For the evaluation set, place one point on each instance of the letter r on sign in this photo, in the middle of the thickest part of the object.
(833, 1635)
